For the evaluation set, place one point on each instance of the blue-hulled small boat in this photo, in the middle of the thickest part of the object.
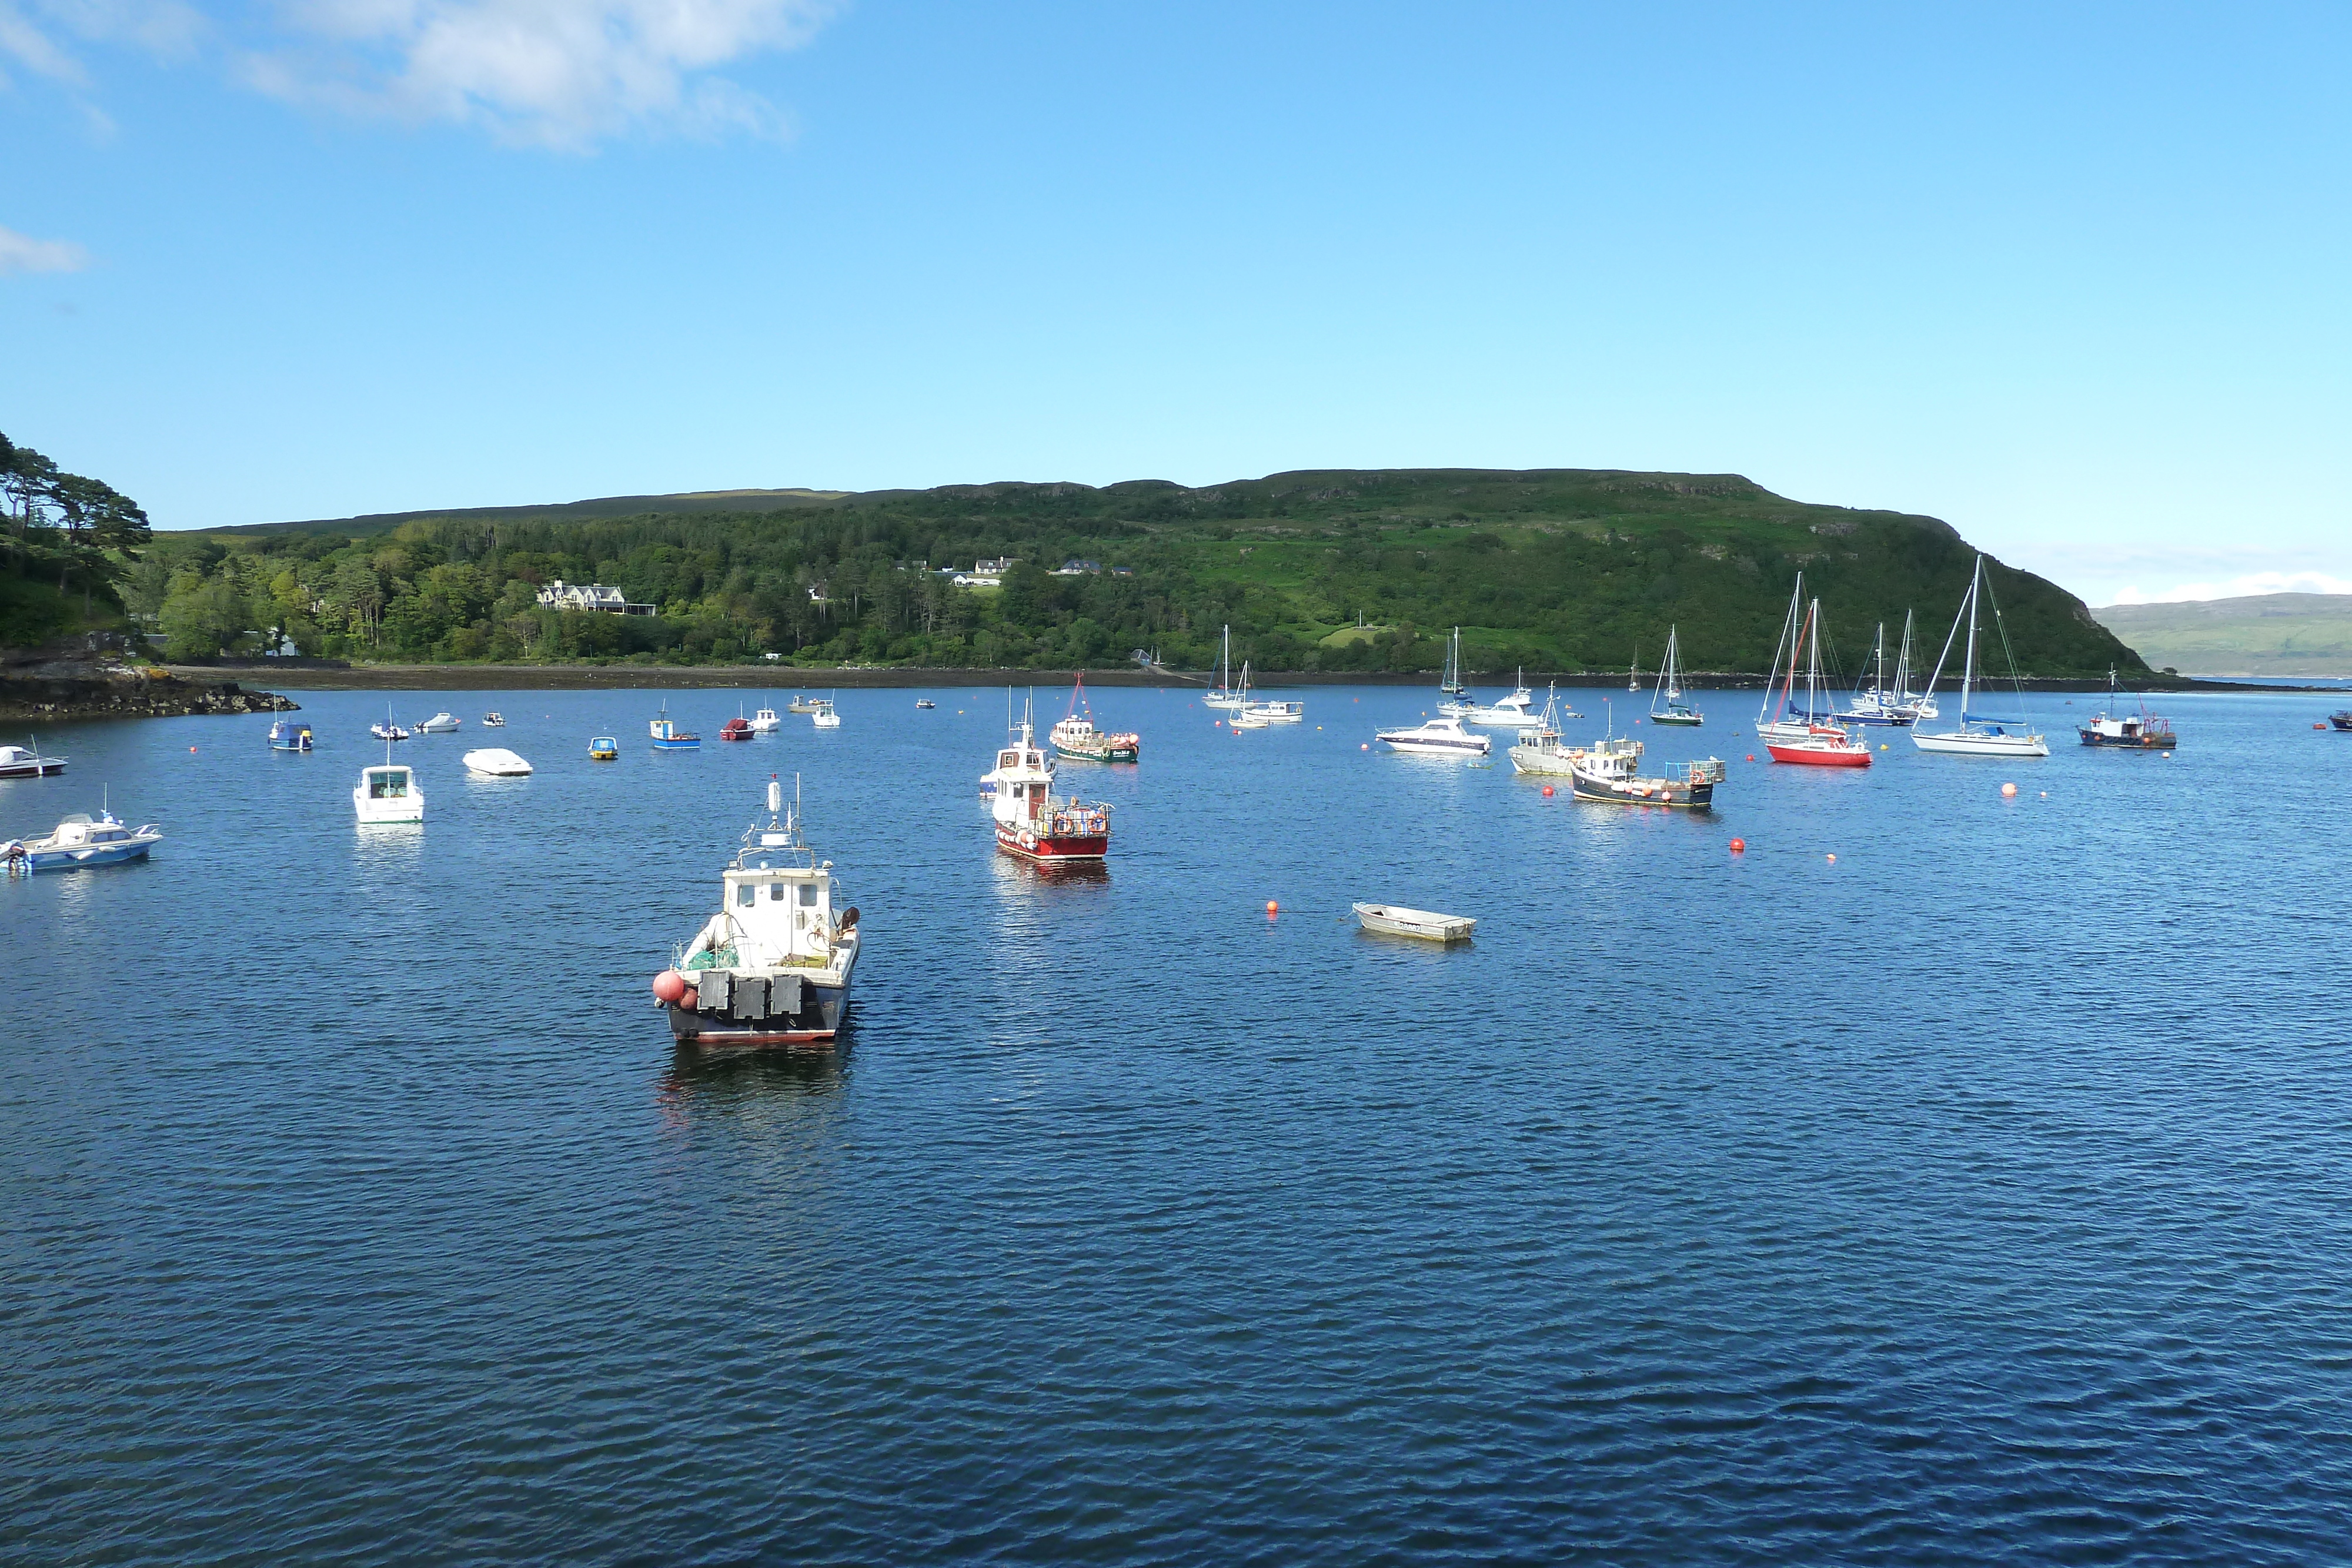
(667, 737)
(290, 735)
(82, 841)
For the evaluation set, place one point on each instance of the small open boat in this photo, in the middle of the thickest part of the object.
(1392, 920)
(925, 702)
(603, 748)
(493, 721)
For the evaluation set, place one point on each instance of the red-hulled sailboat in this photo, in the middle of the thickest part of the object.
(1820, 745)
(1035, 823)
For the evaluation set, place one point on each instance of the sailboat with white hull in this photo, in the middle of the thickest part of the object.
(1224, 696)
(1979, 734)
(1770, 728)
(1666, 705)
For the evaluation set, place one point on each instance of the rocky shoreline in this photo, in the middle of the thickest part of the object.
(89, 679)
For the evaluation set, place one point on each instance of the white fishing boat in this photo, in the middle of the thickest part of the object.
(773, 966)
(1540, 748)
(82, 841)
(441, 723)
(1034, 823)
(387, 731)
(1224, 696)
(765, 722)
(27, 762)
(821, 716)
(1666, 705)
(1441, 737)
(800, 705)
(1395, 920)
(1517, 711)
(1979, 734)
(493, 721)
(388, 792)
(496, 762)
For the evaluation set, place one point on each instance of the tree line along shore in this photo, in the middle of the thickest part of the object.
(1353, 574)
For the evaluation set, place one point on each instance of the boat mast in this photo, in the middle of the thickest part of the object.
(1787, 624)
(1789, 686)
(1813, 666)
(1969, 670)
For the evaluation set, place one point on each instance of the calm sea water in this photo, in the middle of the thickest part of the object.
(1981, 1194)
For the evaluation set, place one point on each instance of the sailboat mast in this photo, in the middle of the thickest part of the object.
(1787, 624)
(1791, 685)
(1969, 670)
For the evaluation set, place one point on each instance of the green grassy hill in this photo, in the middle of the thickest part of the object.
(1558, 569)
(2280, 635)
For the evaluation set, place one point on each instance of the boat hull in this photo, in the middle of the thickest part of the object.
(1819, 756)
(81, 858)
(1688, 721)
(1959, 744)
(2164, 741)
(695, 744)
(1697, 797)
(1421, 747)
(1106, 754)
(1052, 849)
(816, 1022)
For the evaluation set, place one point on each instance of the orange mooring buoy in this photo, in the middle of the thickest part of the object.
(1272, 908)
(1739, 846)
(1547, 792)
(2008, 790)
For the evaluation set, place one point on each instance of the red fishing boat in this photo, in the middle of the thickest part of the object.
(1820, 745)
(1034, 823)
(737, 728)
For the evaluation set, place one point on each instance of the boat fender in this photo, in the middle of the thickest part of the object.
(1028, 839)
(669, 985)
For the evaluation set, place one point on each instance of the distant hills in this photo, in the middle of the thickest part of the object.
(1558, 569)
(2261, 634)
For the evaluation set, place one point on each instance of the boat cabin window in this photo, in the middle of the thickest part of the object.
(745, 893)
(1007, 758)
(775, 892)
(808, 895)
(387, 786)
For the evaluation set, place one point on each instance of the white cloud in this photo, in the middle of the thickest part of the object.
(556, 73)
(21, 253)
(2251, 582)
(33, 33)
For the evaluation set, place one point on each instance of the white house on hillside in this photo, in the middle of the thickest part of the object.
(563, 595)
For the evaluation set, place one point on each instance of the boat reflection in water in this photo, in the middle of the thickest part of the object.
(720, 1076)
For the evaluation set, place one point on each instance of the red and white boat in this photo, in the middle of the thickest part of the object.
(1819, 745)
(1034, 823)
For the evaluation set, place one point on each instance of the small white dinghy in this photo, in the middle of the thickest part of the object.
(1390, 920)
(495, 761)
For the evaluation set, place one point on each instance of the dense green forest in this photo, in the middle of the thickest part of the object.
(68, 542)
(1554, 569)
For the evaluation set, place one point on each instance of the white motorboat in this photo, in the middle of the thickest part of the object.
(27, 762)
(1441, 737)
(1979, 734)
(441, 723)
(496, 762)
(821, 716)
(388, 792)
(1394, 920)
(387, 731)
(82, 841)
(773, 966)
(1277, 712)
(765, 722)
(1517, 711)
(493, 721)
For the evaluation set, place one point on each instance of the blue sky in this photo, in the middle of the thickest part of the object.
(2073, 278)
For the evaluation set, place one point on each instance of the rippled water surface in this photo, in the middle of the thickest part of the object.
(1980, 1195)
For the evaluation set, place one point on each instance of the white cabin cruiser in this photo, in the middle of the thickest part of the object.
(1440, 736)
(773, 966)
(765, 722)
(1517, 711)
(82, 841)
(27, 762)
(439, 724)
(821, 714)
(496, 762)
(388, 792)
